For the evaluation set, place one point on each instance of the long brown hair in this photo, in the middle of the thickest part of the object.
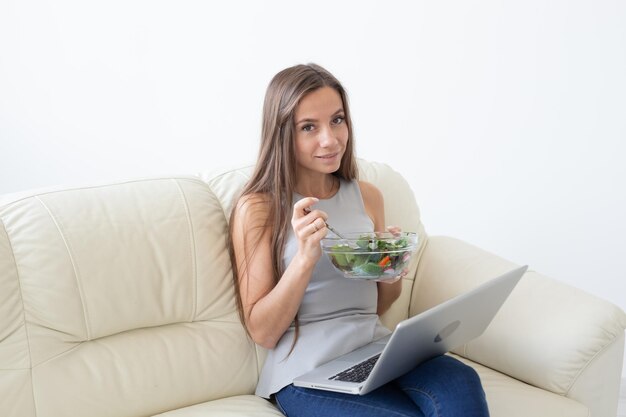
(274, 176)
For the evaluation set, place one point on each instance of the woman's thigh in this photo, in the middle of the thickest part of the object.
(444, 386)
(386, 401)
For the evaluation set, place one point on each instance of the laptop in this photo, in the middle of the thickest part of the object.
(431, 333)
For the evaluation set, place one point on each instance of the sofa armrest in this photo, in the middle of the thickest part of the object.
(547, 334)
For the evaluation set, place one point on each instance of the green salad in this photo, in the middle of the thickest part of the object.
(371, 257)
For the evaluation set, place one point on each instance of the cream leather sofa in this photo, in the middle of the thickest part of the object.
(117, 300)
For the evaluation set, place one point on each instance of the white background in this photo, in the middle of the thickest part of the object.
(508, 118)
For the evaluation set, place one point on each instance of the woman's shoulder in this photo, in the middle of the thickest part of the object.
(253, 206)
(369, 192)
(253, 198)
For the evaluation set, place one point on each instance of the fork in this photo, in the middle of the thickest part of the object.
(332, 229)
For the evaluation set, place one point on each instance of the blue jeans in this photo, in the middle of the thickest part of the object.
(440, 387)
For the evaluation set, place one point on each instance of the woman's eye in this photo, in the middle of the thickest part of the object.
(338, 120)
(307, 128)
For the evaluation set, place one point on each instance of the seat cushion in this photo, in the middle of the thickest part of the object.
(240, 405)
(508, 397)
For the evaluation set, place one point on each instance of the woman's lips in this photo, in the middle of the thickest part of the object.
(329, 156)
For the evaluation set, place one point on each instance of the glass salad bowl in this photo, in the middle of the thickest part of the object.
(375, 256)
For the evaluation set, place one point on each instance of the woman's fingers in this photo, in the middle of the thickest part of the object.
(306, 221)
(394, 230)
(303, 207)
(318, 224)
(396, 278)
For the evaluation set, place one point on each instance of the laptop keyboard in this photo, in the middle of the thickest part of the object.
(357, 373)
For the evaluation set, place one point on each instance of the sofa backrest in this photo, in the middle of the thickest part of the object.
(117, 300)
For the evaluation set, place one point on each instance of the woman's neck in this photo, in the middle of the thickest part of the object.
(323, 188)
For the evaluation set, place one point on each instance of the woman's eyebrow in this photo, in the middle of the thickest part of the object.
(307, 120)
(310, 120)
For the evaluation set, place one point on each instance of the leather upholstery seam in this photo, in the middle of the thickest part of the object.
(79, 344)
(59, 354)
(45, 191)
(74, 267)
(209, 181)
(19, 284)
(192, 248)
(218, 176)
(590, 362)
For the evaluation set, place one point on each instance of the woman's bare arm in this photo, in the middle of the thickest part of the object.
(269, 307)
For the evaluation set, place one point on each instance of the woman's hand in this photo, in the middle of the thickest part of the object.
(389, 289)
(396, 231)
(397, 278)
(309, 226)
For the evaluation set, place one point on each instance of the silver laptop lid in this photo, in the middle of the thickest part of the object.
(442, 328)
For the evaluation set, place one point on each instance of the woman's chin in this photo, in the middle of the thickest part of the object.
(331, 164)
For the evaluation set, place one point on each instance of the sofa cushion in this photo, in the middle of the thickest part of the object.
(117, 300)
(547, 333)
(237, 406)
(508, 397)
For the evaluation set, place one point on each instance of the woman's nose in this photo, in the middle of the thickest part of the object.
(327, 137)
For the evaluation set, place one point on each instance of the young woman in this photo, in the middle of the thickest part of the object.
(290, 298)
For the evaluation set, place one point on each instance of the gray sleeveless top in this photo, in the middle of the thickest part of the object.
(337, 314)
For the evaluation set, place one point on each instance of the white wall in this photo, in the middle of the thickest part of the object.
(508, 118)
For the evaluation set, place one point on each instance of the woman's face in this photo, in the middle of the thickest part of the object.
(321, 131)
